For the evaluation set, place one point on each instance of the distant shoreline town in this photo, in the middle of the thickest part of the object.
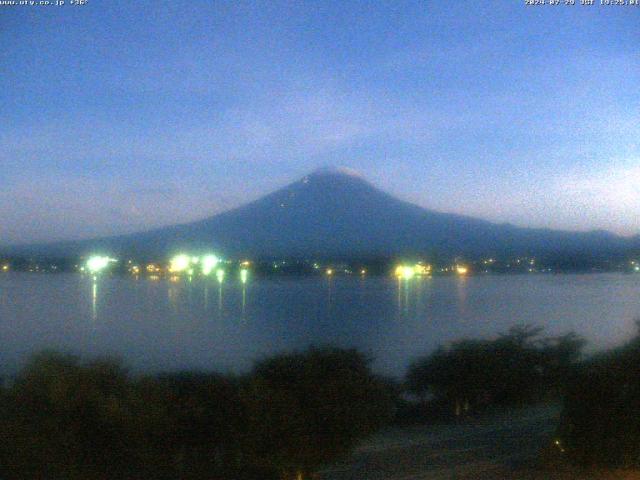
(188, 265)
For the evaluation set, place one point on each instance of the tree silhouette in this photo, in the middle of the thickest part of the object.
(68, 419)
(515, 368)
(600, 421)
(309, 408)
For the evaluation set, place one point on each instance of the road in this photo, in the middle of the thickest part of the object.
(498, 446)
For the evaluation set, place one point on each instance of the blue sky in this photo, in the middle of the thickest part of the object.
(118, 116)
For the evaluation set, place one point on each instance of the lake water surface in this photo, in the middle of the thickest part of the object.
(163, 325)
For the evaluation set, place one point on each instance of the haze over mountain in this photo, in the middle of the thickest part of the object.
(335, 213)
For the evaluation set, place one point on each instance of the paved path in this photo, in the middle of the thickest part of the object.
(492, 447)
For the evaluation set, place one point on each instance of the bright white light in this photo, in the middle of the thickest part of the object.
(97, 263)
(209, 262)
(179, 263)
(405, 271)
(244, 273)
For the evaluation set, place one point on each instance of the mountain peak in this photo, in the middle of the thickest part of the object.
(335, 177)
(339, 171)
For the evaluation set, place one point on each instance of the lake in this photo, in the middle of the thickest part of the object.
(164, 325)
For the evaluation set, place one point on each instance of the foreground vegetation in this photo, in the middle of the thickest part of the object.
(62, 418)
(517, 368)
(600, 396)
(600, 424)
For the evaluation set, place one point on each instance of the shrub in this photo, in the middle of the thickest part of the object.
(65, 419)
(600, 422)
(516, 368)
(307, 409)
(62, 419)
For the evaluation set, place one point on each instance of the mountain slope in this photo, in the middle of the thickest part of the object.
(330, 213)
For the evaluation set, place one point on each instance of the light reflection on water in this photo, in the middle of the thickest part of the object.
(244, 300)
(94, 299)
(207, 324)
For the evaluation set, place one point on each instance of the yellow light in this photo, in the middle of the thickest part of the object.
(5, 268)
(405, 271)
(220, 275)
(151, 268)
(363, 272)
(179, 263)
(329, 271)
(462, 270)
(245, 263)
(97, 263)
(420, 269)
(244, 273)
(209, 262)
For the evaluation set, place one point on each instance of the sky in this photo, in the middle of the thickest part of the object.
(118, 116)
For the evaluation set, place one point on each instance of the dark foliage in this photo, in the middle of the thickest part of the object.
(600, 423)
(309, 408)
(64, 419)
(516, 368)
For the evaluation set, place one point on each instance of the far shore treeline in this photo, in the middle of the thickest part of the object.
(66, 418)
(371, 265)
